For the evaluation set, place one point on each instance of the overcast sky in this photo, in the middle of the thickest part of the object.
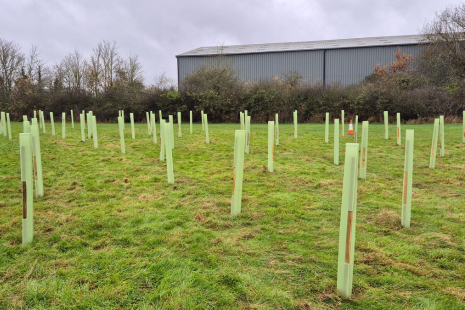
(158, 30)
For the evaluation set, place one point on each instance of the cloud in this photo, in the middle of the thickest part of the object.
(159, 30)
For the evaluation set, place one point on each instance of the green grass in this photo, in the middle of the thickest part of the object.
(111, 233)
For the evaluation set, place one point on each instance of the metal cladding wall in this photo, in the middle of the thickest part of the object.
(345, 66)
(352, 65)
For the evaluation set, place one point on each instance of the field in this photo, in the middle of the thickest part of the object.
(111, 233)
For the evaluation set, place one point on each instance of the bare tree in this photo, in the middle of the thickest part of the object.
(11, 62)
(130, 73)
(164, 82)
(443, 58)
(72, 71)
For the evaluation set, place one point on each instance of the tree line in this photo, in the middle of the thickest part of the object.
(432, 84)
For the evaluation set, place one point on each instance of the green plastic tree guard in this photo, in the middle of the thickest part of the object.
(247, 137)
(441, 135)
(89, 125)
(434, 146)
(35, 114)
(154, 129)
(43, 122)
(170, 117)
(84, 114)
(363, 150)
(345, 268)
(276, 117)
(205, 121)
(9, 126)
(241, 116)
(37, 161)
(386, 125)
(162, 139)
(463, 133)
(63, 125)
(398, 130)
(121, 134)
(295, 124)
(270, 145)
(169, 154)
(159, 114)
(407, 189)
(40, 119)
(122, 115)
(336, 141)
(3, 127)
(203, 124)
(342, 122)
(148, 122)
(72, 119)
(327, 128)
(179, 125)
(26, 127)
(355, 128)
(190, 121)
(25, 144)
(236, 198)
(133, 132)
(94, 131)
(245, 119)
(83, 135)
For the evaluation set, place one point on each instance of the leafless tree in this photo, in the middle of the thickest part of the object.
(11, 62)
(71, 70)
(443, 58)
(164, 82)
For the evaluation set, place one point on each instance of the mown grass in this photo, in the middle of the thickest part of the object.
(111, 233)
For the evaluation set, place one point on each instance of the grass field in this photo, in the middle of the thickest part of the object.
(111, 233)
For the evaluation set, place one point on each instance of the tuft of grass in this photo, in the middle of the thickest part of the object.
(111, 233)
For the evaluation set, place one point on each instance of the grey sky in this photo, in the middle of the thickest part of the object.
(159, 30)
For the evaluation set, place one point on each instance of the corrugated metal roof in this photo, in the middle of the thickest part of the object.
(302, 46)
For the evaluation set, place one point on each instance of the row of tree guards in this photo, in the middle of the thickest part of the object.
(31, 165)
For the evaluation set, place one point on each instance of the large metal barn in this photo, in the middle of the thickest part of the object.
(346, 61)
